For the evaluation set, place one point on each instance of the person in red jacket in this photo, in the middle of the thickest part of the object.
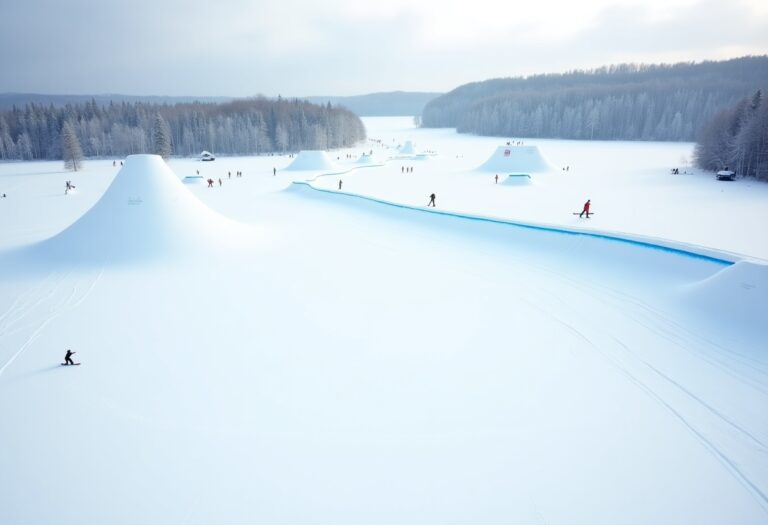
(586, 209)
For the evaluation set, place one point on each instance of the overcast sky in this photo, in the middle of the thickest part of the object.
(347, 47)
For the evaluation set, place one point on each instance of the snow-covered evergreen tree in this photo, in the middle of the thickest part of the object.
(161, 137)
(71, 151)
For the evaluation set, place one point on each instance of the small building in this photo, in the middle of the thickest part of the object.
(207, 156)
(726, 174)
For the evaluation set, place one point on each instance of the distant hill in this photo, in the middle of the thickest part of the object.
(391, 104)
(621, 102)
(8, 100)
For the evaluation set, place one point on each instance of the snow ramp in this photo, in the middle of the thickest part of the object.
(517, 159)
(146, 212)
(311, 160)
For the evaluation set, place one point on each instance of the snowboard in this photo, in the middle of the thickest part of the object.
(65, 364)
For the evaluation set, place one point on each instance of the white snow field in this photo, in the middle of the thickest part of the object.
(273, 350)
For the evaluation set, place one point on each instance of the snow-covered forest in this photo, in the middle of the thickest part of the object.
(737, 138)
(244, 126)
(620, 102)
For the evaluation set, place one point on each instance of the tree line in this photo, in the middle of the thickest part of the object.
(736, 138)
(621, 102)
(240, 127)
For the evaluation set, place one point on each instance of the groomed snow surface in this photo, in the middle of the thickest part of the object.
(273, 350)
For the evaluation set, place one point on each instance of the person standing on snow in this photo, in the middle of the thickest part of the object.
(68, 357)
(586, 209)
(497, 178)
(274, 171)
(339, 183)
(431, 201)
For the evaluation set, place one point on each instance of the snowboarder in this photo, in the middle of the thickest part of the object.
(431, 201)
(68, 357)
(586, 209)
(497, 178)
(339, 184)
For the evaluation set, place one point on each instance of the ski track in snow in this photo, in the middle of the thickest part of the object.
(629, 370)
(46, 301)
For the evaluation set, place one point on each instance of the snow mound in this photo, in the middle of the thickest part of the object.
(309, 160)
(737, 294)
(147, 211)
(518, 160)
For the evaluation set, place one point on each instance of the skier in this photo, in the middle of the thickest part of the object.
(229, 174)
(274, 171)
(431, 201)
(68, 357)
(402, 169)
(497, 178)
(210, 183)
(114, 163)
(198, 172)
(219, 182)
(339, 183)
(586, 209)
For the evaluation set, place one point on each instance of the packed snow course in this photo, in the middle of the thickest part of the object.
(275, 349)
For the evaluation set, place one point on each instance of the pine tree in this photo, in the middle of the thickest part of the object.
(161, 137)
(71, 151)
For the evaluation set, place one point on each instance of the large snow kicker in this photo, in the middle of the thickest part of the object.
(311, 160)
(146, 212)
(517, 159)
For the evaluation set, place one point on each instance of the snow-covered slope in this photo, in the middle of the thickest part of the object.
(374, 361)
